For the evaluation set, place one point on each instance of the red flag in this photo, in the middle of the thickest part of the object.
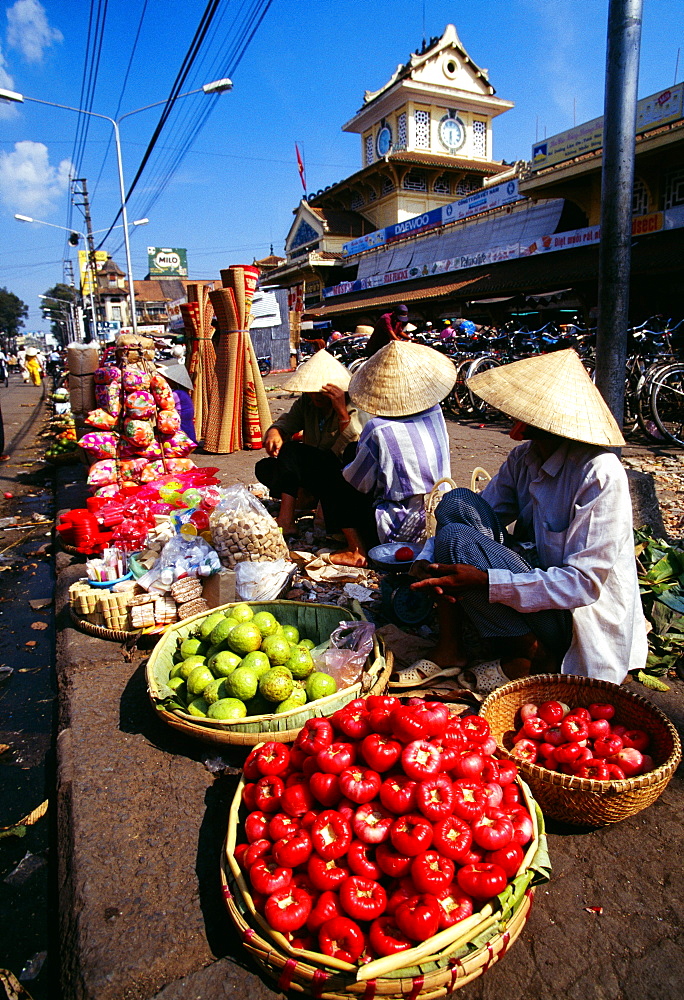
(300, 167)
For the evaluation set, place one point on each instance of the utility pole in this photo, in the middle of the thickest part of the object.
(617, 182)
(84, 204)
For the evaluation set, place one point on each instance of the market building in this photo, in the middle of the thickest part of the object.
(457, 233)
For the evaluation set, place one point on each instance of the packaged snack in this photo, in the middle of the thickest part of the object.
(139, 433)
(100, 419)
(161, 390)
(178, 445)
(133, 468)
(108, 397)
(168, 421)
(107, 491)
(101, 444)
(139, 405)
(129, 450)
(242, 529)
(134, 378)
(102, 473)
(106, 376)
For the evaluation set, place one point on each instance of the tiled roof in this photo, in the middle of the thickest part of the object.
(448, 162)
(389, 298)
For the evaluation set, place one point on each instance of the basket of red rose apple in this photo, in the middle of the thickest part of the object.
(386, 848)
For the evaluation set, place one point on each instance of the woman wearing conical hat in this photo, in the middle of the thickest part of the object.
(562, 592)
(404, 448)
(330, 427)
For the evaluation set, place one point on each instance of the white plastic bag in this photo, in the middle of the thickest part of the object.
(262, 581)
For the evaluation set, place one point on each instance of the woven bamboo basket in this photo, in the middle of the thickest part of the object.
(583, 801)
(315, 621)
(434, 968)
(115, 634)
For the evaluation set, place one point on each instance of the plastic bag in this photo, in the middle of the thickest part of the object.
(242, 529)
(187, 557)
(350, 645)
(262, 581)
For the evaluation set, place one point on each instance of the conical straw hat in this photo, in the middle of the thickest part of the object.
(552, 392)
(321, 369)
(401, 379)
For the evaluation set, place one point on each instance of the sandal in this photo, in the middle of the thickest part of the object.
(422, 672)
(488, 676)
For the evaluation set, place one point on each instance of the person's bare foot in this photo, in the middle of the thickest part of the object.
(347, 557)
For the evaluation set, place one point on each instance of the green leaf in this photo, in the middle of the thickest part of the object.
(673, 599)
(14, 831)
(652, 682)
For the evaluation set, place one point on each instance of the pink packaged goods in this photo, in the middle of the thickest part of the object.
(108, 397)
(107, 491)
(168, 421)
(134, 378)
(100, 419)
(129, 450)
(139, 432)
(161, 390)
(101, 444)
(178, 445)
(102, 473)
(140, 405)
(133, 468)
(105, 376)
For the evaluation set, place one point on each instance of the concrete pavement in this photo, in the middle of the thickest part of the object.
(141, 821)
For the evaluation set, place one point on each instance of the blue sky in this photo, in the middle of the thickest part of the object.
(301, 78)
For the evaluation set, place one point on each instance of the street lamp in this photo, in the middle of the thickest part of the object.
(67, 306)
(215, 87)
(91, 268)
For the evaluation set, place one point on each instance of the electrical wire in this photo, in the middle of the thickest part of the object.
(121, 94)
(231, 57)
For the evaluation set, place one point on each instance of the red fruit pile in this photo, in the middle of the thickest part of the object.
(381, 826)
(583, 742)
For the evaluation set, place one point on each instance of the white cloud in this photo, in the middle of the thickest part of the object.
(28, 183)
(7, 83)
(28, 30)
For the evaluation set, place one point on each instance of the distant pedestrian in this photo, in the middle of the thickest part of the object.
(391, 326)
(33, 367)
(4, 369)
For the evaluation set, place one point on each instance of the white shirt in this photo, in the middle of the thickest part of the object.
(577, 509)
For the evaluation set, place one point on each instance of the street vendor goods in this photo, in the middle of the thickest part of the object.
(265, 665)
(570, 788)
(380, 841)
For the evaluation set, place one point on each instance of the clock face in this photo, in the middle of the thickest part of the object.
(451, 133)
(383, 142)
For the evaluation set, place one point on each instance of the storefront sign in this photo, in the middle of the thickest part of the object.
(482, 201)
(474, 204)
(653, 111)
(641, 225)
(169, 262)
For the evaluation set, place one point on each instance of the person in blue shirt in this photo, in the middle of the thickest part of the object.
(181, 385)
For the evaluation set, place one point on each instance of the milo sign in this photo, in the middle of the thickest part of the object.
(167, 262)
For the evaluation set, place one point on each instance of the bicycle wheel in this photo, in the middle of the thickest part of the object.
(644, 400)
(667, 403)
(458, 400)
(479, 407)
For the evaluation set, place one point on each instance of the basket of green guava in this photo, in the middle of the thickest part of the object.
(245, 673)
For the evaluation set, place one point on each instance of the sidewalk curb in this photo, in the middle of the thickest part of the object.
(140, 824)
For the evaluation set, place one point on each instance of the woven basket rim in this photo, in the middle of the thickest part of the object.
(661, 773)
(226, 726)
(101, 631)
(488, 915)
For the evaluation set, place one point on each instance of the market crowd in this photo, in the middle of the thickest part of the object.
(536, 573)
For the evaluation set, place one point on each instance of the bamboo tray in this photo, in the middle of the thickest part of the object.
(584, 801)
(315, 621)
(435, 968)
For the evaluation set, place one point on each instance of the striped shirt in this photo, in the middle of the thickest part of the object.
(399, 457)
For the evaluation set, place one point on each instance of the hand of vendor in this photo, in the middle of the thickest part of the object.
(273, 442)
(339, 402)
(422, 569)
(447, 581)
